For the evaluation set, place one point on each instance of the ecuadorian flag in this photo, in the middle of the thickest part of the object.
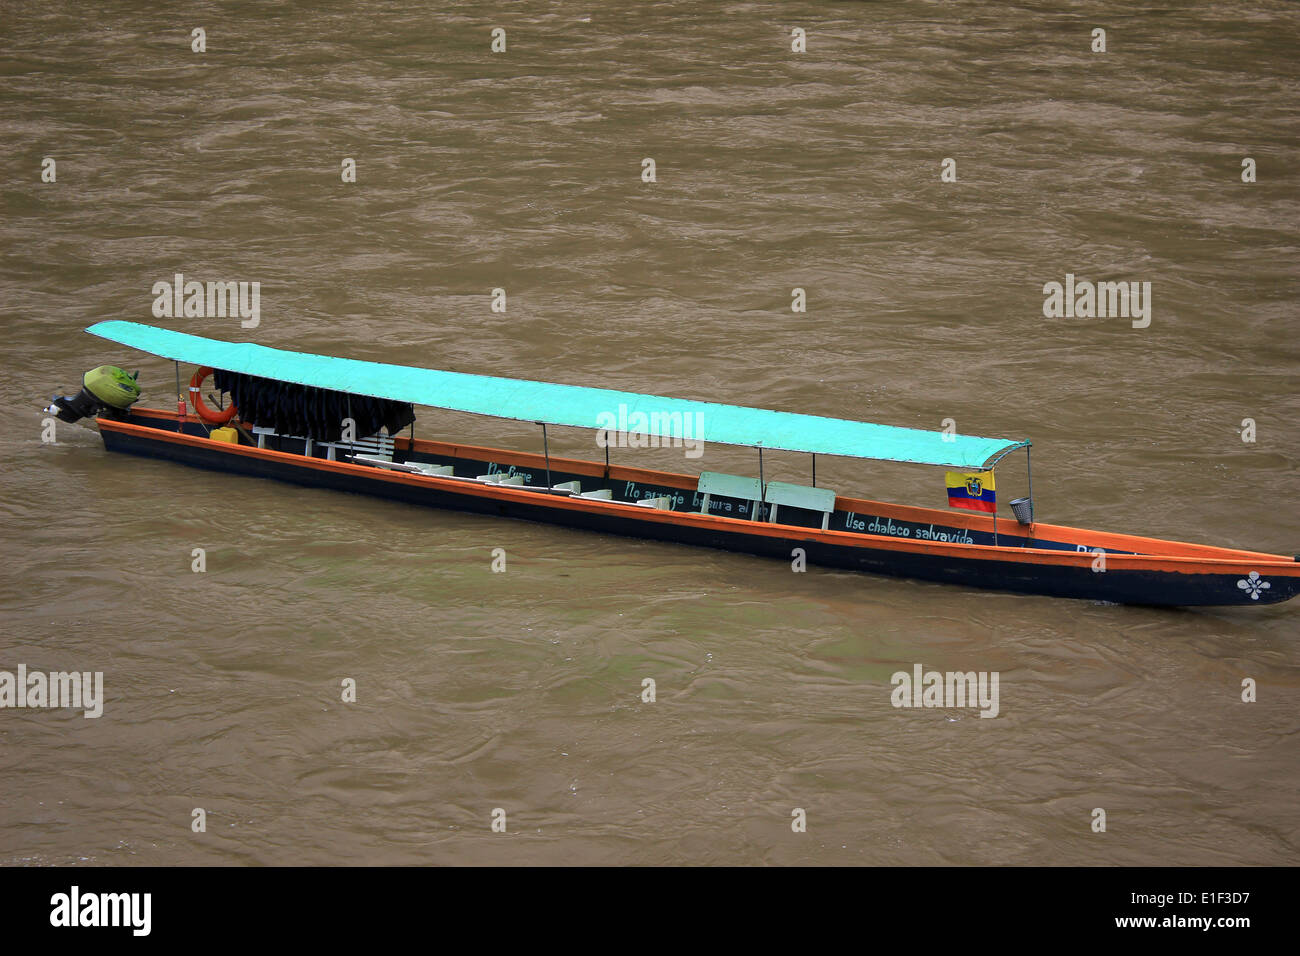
(973, 491)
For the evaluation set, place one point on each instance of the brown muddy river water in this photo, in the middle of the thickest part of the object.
(774, 171)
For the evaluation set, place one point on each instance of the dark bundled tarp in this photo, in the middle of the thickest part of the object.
(315, 413)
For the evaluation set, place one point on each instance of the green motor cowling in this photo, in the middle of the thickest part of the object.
(112, 386)
(104, 389)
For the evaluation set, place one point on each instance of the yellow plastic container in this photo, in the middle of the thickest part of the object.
(224, 434)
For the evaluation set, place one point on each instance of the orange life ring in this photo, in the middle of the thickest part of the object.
(196, 399)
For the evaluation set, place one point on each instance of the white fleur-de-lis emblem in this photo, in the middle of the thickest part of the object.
(1253, 584)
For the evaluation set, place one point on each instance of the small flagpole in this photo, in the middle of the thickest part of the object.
(546, 447)
(180, 401)
(995, 508)
(1030, 471)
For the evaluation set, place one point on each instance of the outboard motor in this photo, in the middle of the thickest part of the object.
(104, 389)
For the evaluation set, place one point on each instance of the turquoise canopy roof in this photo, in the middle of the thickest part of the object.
(570, 405)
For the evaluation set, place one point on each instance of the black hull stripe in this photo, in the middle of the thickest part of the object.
(1153, 588)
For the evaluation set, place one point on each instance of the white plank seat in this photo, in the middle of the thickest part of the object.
(728, 486)
(602, 493)
(410, 467)
(663, 503)
(376, 446)
(572, 487)
(450, 473)
(800, 496)
(308, 444)
(501, 478)
(387, 463)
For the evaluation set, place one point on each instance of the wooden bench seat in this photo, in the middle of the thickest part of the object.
(375, 446)
(713, 483)
(410, 467)
(663, 503)
(800, 496)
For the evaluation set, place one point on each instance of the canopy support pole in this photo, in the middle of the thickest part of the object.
(995, 515)
(761, 494)
(546, 447)
(1030, 472)
(180, 400)
(814, 484)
